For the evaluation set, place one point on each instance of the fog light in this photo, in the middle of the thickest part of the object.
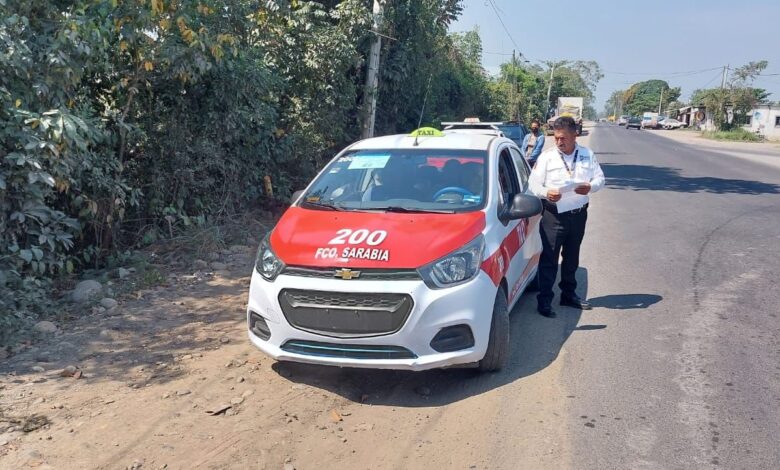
(453, 338)
(258, 326)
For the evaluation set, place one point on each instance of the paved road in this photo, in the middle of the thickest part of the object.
(679, 367)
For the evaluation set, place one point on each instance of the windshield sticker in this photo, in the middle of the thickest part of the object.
(368, 162)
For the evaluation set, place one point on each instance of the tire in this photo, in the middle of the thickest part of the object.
(497, 354)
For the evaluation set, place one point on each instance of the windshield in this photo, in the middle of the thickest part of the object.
(402, 180)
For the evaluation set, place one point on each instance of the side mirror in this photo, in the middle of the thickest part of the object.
(296, 195)
(523, 206)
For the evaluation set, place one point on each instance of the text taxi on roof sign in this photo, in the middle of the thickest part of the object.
(405, 252)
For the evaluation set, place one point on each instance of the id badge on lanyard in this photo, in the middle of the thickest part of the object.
(573, 168)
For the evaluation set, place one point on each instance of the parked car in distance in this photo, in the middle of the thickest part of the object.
(622, 120)
(634, 122)
(671, 123)
(512, 130)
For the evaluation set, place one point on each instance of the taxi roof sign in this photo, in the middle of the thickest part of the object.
(471, 119)
(427, 132)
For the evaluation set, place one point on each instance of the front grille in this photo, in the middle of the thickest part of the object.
(345, 315)
(365, 274)
(347, 351)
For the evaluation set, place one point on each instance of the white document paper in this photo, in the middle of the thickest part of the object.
(569, 199)
(568, 187)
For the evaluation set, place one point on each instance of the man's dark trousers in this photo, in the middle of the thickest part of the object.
(560, 232)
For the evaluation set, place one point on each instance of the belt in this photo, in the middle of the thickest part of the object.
(551, 207)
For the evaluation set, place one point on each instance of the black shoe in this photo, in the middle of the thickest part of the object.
(575, 302)
(547, 312)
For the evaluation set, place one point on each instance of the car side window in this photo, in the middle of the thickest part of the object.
(522, 168)
(507, 178)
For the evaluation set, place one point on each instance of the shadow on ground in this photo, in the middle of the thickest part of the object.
(655, 178)
(625, 301)
(536, 343)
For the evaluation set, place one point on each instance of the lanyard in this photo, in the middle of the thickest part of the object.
(573, 163)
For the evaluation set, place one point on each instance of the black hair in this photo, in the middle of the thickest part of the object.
(536, 121)
(565, 123)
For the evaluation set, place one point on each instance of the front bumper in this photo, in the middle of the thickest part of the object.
(469, 304)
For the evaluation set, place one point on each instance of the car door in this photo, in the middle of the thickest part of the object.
(513, 232)
(527, 260)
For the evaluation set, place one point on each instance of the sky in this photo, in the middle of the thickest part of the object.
(634, 41)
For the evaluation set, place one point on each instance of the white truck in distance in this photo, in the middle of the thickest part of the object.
(650, 120)
(568, 106)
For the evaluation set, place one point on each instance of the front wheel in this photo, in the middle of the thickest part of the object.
(497, 354)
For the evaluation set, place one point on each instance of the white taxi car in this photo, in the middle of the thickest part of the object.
(405, 252)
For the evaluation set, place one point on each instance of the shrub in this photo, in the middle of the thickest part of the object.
(740, 135)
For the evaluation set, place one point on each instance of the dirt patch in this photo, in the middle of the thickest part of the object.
(168, 379)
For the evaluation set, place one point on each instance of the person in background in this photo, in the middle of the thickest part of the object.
(533, 143)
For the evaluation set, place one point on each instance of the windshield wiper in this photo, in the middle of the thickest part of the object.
(322, 205)
(407, 210)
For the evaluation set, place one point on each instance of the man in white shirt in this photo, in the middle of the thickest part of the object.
(563, 178)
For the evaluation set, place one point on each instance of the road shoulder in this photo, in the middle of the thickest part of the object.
(764, 153)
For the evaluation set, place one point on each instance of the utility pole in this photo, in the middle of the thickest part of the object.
(372, 77)
(514, 89)
(660, 100)
(549, 90)
(723, 80)
(552, 75)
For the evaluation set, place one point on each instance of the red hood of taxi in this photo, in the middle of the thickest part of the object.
(413, 240)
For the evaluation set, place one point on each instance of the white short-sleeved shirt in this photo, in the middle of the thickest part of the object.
(551, 173)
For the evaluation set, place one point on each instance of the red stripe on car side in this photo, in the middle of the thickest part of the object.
(497, 264)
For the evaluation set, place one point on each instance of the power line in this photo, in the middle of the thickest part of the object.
(495, 10)
(717, 76)
(666, 74)
(762, 79)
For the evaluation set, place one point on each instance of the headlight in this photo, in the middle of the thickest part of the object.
(460, 266)
(266, 261)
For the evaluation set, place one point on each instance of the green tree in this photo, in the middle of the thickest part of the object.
(125, 121)
(614, 104)
(649, 96)
(522, 89)
(578, 78)
(738, 94)
(415, 65)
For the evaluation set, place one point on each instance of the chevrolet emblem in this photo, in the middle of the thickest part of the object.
(347, 274)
